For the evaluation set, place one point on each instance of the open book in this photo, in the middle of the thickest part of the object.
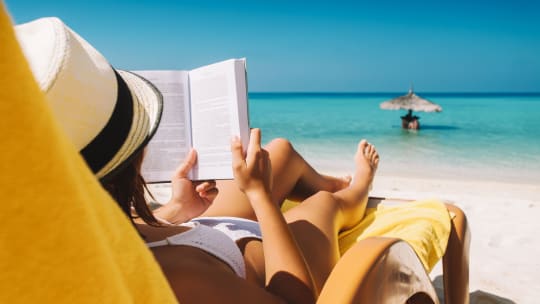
(202, 108)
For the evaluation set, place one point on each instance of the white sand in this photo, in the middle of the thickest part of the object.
(505, 227)
(504, 220)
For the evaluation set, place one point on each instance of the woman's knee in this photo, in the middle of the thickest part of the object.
(280, 145)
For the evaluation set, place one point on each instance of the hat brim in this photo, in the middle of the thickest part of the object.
(147, 111)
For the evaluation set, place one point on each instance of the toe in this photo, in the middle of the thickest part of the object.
(369, 151)
(362, 145)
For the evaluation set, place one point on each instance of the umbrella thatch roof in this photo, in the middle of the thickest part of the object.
(411, 101)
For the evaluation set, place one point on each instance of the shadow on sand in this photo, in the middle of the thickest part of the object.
(476, 297)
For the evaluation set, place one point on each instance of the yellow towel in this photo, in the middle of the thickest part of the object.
(62, 238)
(424, 225)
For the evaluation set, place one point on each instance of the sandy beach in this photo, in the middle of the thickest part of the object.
(504, 224)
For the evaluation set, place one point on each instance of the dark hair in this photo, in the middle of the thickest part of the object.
(128, 189)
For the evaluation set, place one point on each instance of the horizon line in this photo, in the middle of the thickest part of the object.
(399, 92)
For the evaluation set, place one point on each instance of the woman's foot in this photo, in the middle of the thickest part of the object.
(353, 199)
(366, 160)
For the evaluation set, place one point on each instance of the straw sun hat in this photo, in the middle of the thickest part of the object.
(108, 114)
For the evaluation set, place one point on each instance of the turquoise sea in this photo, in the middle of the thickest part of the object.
(492, 137)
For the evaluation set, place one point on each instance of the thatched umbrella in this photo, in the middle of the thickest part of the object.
(411, 102)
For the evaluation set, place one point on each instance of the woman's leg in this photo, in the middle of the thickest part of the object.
(317, 222)
(293, 178)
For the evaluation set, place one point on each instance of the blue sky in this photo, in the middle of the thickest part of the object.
(322, 46)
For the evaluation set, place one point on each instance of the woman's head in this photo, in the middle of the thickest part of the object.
(109, 115)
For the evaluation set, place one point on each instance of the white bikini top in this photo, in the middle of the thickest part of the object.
(216, 236)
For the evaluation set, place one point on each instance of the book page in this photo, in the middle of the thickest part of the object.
(171, 143)
(218, 95)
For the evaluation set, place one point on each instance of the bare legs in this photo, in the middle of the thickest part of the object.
(353, 199)
(317, 222)
(293, 178)
(330, 205)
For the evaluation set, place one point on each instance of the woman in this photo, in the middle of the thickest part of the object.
(315, 223)
(282, 257)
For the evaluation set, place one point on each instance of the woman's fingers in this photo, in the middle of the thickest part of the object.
(254, 146)
(210, 194)
(207, 189)
(238, 161)
(188, 163)
(205, 185)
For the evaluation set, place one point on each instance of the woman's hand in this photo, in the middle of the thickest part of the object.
(252, 172)
(189, 199)
(284, 263)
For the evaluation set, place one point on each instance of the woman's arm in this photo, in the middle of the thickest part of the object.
(287, 274)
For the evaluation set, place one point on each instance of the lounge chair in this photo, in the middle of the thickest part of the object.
(387, 270)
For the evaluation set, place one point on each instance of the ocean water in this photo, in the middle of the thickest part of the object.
(492, 137)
